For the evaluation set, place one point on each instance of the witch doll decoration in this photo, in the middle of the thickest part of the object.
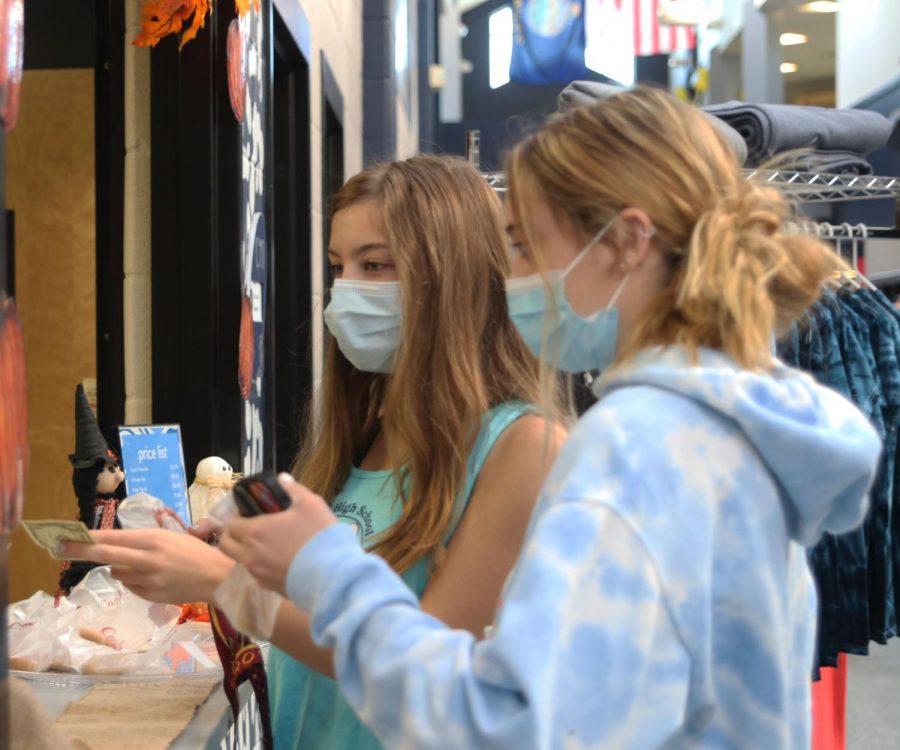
(96, 476)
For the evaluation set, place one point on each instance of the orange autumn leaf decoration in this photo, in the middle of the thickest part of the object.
(159, 18)
(243, 6)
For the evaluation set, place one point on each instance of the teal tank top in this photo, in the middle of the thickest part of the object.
(308, 710)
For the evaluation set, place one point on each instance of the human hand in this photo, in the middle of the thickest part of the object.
(167, 512)
(158, 565)
(266, 545)
(204, 528)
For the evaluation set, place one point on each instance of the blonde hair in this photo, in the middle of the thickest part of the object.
(459, 353)
(736, 277)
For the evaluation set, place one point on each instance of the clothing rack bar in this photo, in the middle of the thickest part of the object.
(799, 187)
(815, 187)
(827, 231)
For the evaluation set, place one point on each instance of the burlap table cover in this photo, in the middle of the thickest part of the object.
(134, 715)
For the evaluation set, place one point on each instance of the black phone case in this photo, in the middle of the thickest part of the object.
(260, 494)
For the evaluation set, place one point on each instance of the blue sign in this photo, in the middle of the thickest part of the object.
(548, 42)
(154, 463)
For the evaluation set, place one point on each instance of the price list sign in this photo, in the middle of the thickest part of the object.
(154, 463)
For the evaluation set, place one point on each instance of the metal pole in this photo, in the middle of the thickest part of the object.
(473, 148)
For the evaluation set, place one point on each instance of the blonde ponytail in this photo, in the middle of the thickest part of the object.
(743, 279)
(736, 277)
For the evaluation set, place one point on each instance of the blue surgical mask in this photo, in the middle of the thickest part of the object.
(574, 343)
(365, 318)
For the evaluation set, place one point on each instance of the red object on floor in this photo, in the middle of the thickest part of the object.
(829, 707)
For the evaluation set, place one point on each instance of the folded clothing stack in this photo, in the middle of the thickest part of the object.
(583, 93)
(827, 140)
(831, 140)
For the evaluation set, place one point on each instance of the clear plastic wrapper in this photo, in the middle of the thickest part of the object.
(32, 635)
(102, 628)
(143, 511)
(250, 608)
(223, 510)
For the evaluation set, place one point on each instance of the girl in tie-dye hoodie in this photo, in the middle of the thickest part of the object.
(662, 598)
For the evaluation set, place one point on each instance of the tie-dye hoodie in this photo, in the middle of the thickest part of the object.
(662, 597)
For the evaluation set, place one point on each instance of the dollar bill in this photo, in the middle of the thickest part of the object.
(48, 534)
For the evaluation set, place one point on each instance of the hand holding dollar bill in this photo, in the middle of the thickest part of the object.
(49, 534)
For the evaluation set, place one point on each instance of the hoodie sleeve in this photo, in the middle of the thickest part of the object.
(584, 652)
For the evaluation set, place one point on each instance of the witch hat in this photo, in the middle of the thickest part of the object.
(90, 445)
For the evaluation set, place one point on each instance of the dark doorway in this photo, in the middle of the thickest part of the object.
(109, 140)
(290, 385)
(332, 173)
(332, 156)
(196, 243)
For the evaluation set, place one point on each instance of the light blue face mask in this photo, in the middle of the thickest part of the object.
(365, 318)
(574, 343)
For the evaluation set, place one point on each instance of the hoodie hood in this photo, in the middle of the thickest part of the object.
(818, 446)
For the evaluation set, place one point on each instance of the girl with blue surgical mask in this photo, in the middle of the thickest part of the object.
(662, 597)
(427, 441)
(427, 444)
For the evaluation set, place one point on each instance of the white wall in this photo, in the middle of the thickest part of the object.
(336, 29)
(136, 236)
(868, 48)
(450, 50)
(408, 126)
(408, 113)
(730, 14)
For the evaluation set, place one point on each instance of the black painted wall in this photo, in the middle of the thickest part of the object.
(427, 49)
(196, 243)
(109, 148)
(379, 82)
(60, 34)
(289, 334)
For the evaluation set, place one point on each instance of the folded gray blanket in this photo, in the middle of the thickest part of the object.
(582, 93)
(770, 129)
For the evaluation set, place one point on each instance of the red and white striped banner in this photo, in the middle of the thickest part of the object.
(651, 37)
(617, 31)
(608, 21)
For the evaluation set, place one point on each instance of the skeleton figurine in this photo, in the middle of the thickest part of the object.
(213, 479)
